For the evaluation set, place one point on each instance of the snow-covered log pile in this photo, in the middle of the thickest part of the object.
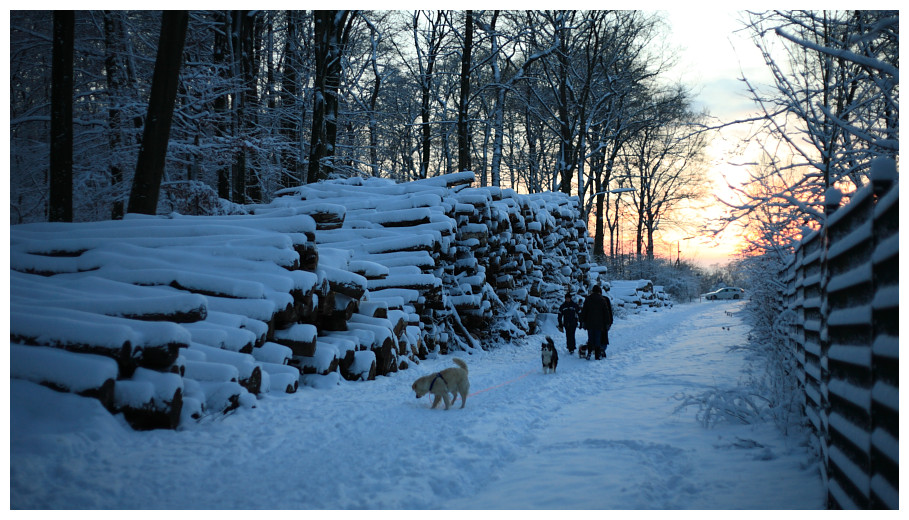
(465, 265)
(167, 318)
(635, 294)
(163, 318)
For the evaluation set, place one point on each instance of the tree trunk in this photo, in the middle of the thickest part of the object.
(463, 115)
(150, 166)
(221, 108)
(426, 89)
(498, 110)
(373, 101)
(114, 67)
(241, 34)
(60, 204)
(331, 30)
(291, 94)
(566, 150)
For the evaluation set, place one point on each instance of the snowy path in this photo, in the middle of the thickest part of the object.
(596, 435)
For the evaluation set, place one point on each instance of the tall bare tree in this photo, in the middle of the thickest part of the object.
(837, 79)
(60, 204)
(331, 31)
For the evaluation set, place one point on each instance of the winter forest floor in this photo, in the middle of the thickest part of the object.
(595, 435)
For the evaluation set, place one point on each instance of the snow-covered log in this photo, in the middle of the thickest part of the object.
(83, 374)
(131, 342)
(323, 360)
(150, 399)
(300, 338)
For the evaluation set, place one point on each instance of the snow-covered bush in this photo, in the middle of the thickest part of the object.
(770, 390)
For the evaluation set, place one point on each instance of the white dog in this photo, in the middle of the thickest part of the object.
(449, 381)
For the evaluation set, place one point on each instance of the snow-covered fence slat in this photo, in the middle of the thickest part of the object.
(842, 286)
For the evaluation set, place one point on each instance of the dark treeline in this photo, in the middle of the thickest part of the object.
(577, 101)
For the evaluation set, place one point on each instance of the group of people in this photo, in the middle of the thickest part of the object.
(595, 315)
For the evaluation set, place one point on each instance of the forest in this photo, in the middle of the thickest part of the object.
(582, 102)
(575, 101)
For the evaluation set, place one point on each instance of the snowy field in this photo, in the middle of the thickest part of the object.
(595, 435)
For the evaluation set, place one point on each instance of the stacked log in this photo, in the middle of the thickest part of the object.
(350, 279)
(189, 310)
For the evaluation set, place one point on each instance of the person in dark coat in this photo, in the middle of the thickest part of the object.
(596, 315)
(568, 320)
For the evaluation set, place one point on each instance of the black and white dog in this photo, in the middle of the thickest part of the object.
(549, 355)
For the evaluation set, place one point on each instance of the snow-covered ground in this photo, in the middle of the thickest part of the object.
(595, 435)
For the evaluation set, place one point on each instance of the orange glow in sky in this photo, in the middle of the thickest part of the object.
(712, 58)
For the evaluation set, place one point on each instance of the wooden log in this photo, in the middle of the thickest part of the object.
(384, 346)
(274, 353)
(327, 216)
(358, 365)
(249, 375)
(83, 374)
(307, 309)
(367, 269)
(110, 340)
(399, 320)
(258, 328)
(323, 361)
(361, 339)
(224, 397)
(345, 306)
(345, 282)
(376, 309)
(300, 338)
(221, 336)
(286, 312)
(395, 325)
(210, 371)
(131, 342)
(150, 400)
(111, 298)
(391, 218)
(284, 378)
(347, 344)
(309, 256)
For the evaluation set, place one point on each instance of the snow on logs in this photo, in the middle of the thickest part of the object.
(181, 316)
(188, 310)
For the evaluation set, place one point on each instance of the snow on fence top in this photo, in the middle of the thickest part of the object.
(347, 278)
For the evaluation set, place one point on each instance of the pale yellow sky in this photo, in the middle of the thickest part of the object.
(713, 57)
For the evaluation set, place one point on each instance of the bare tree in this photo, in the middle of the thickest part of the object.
(464, 146)
(332, 32)
(665, 159)
(834, 106)
(60, 205)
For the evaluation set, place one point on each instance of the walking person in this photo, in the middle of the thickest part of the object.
(568, 320)
(596, 315)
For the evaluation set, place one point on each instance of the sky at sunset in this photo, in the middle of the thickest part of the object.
(712, 58)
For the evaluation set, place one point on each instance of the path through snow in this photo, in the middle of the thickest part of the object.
(596, 435)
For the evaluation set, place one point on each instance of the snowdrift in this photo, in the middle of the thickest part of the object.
(169, 318)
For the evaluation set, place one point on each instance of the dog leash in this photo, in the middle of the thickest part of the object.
(502, 384)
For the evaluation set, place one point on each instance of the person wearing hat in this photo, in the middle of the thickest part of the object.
(596, 315)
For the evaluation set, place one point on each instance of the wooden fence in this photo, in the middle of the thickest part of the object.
(843, 288)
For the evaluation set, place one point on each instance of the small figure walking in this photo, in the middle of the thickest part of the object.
(568, 320)
(596, 314)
